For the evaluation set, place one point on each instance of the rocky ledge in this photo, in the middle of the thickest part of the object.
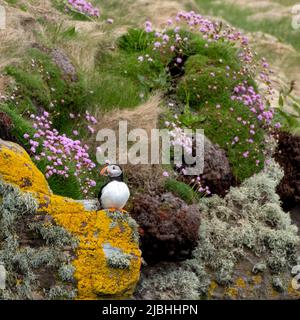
(53, 247)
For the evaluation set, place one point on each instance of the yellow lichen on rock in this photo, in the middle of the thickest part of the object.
(17, 168)
(95, 231)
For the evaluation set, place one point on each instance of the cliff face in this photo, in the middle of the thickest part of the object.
(97, 253)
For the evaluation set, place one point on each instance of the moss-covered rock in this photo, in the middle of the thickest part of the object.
(57, 221)
(168, 226)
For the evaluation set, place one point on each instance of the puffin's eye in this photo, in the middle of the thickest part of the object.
(114, 167)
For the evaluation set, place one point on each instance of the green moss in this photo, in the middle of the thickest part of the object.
(180, 189)
(197, 88)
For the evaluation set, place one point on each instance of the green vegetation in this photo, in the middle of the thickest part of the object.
(121, 81)
(135, 40)
(288, 112)
(67, 187)
(239, 17)
(41, 85)
(216, 113)
(20, 125)
(181, 190)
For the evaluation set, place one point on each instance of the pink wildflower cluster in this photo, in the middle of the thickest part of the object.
(181, 138)
(90, 121)
(211, 31)
(247, 95)
(59, 151)
(84, 7)
(171, 41)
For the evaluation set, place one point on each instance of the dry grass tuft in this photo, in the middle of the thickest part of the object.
(159, 11)
(15, 37)
(145, 116)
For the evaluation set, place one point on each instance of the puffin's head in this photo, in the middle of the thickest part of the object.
(112, 171)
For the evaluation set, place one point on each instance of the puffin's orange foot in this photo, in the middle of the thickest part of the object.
(123, 211)
(112, 209)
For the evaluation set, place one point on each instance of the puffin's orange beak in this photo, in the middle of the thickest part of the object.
(104, 171)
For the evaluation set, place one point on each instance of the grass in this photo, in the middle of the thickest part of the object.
(181, 190)
(67, 187)
(239, 17)
(121, 81)
(41, 84)
(287, 2)
(20, 125)
(57, 34)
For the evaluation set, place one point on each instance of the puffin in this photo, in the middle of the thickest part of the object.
(115, 193)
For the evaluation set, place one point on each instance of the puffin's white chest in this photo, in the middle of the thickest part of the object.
(114, 195)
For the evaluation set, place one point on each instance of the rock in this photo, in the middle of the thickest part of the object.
(60, 58)
(62, 61)
(168, 226)
(5, 126)
(288, 156)
(217, 173)
(59, 237)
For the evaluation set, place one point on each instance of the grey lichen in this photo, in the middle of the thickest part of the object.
(61, 293)
(277, 284)
(259, 267)
(30, 250)
(66, 272)
(115, 258)
(171, 282)
(248, 218)
(54, 236)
